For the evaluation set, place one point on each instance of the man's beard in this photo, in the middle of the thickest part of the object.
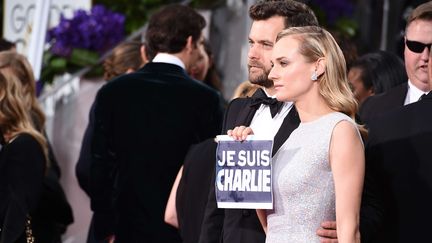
(262, 79)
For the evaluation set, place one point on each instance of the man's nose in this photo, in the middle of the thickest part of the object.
(425, 53)
(253, 52)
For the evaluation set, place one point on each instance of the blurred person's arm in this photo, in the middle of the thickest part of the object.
(262, 216)
(103, 169)
(171, 209)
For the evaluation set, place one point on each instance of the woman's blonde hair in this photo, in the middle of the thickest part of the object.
(19, 66)
(245, 89)
(15, 117)
(317, 43)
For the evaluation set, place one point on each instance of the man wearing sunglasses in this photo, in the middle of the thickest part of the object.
(418, 41)
(398, 154)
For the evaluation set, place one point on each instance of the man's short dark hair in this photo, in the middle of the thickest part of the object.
(169, 28)
(6, 45)
(296, 14)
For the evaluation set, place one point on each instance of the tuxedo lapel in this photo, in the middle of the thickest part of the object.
(239, 113)
(290, 123)
(399, 95)
(247, 112)
(243, 112)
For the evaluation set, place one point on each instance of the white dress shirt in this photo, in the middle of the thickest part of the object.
(168, 58)
(413, 94)
(263, 125)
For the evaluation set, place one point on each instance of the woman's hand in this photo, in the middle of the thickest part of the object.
(240, 133)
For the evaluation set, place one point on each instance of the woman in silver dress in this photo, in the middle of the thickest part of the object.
(318, 172)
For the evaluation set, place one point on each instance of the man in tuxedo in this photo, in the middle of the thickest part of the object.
(399, 160)
(418, 39)
(262, 114)
(144, 124)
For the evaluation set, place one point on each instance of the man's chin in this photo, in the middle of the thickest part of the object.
(264, 82)
(256, 77)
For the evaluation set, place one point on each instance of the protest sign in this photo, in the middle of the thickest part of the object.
(243, 173)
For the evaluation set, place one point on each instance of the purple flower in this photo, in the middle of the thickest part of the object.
(99, 30)
(334, 9)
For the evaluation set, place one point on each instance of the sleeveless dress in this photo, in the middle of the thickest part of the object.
(303, 187)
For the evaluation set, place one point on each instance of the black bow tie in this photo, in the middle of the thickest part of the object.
(273, 103)
(422, 96)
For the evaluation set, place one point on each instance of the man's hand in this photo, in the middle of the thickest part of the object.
(327, 232)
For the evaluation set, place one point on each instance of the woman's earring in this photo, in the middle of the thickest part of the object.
(314, 76)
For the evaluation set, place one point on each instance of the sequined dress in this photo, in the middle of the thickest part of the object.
(303, 187)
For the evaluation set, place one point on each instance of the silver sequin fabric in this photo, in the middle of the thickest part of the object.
(303, 187)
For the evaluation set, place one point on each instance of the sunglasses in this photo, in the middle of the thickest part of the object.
(416, 46)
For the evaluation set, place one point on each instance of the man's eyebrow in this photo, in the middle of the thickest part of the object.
(265, 42)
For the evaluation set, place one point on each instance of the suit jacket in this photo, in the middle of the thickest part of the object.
(398, 153)
(144, 124)
(240, 225)
(376, 105)
(82, 169)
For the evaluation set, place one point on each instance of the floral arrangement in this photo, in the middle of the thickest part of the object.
(336, 15)
(138, 11)
(81, 40)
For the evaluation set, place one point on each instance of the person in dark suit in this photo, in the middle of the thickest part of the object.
(375, 73)
(418, 39)
(188, 198)
(144, 124)
(398, 154)
(125, 58)
(269, 18)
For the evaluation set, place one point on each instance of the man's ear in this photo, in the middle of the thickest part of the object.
(144, 54)
(189, 44)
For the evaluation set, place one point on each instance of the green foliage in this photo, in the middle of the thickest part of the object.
(336, 15)
(79, 58)
(347, 26)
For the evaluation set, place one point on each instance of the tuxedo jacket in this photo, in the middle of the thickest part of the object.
(377, 105)
(399, 156)
(240, 225)
(144, 124)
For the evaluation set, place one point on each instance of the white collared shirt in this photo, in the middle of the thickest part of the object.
(264, 125)
(168, 58)
(413, 94)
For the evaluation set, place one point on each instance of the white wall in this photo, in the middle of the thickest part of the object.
(18, 18)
